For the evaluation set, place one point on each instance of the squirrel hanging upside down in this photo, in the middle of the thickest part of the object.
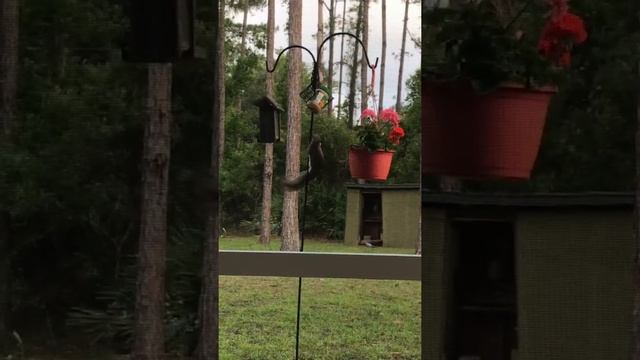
(316, 163)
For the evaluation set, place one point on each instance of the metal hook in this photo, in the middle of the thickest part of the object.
(364, 49)
(285, 50)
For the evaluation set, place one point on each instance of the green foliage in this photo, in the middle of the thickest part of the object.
(475, 44)
(406, 162)
(374, 135)
(111, 321)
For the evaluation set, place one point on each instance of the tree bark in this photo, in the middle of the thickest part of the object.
(9, 31)
(5, 280)
(636, 231)
(320, 32)
(209, 298)
(344, 17)
(384, 56)
(267, 176)
(354, 70)
(332, 29)
(150, 294)
(290, 228)
(402, 52)
(364, 69)
(245, 15)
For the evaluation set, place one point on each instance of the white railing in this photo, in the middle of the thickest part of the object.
(320, 265)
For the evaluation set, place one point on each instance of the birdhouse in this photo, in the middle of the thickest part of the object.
(268, 120)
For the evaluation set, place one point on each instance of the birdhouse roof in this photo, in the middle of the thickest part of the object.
(267, 101)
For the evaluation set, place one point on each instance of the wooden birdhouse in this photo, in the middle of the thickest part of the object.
(268, 120)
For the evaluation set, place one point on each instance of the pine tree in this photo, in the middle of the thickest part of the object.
(150, 294)
(208, 304)
(290, 227)
(9, 28)
(267, 175)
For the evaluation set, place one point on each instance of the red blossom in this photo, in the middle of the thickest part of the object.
(368, 113)
(396, 134)
(391, 116)
(559, 35)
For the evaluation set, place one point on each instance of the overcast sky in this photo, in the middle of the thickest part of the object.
(395, 15)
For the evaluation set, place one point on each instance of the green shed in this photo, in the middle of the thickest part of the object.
(527, 277)
(383, 215)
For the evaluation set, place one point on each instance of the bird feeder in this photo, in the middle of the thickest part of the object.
(269, 120)
(319, 100)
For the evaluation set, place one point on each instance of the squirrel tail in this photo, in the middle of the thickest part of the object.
(296, 183)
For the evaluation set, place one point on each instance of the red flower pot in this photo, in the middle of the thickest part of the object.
(370, 165)
(492, 135)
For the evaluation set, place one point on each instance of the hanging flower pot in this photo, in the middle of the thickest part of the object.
(496, 134)
(478, 120)
(370, 165)
(378, 135)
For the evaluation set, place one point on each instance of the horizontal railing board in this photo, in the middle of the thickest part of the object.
(320, 265)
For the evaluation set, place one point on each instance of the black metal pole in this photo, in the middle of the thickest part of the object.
(315, 83)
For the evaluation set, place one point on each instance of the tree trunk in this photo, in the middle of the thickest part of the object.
(402, 51)
(636, 232)
(354, 70)
(208, 305)
(320, 32)
(344, 17)
(332, 29)
(245, 15)
(290, 229)
(384, 55)
(267, 177)
(9, 29)
(5, 281)
(150, 294)
(364, 69)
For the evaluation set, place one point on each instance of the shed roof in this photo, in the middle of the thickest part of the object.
(530, 200)
(383, 186)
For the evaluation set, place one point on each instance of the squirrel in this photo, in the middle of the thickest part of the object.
(316, 163)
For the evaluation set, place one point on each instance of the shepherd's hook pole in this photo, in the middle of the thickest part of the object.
(315, 84)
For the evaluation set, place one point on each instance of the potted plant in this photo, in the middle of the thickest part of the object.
(487, 90)
(378, 136)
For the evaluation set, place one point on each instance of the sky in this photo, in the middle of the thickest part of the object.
(395, 15)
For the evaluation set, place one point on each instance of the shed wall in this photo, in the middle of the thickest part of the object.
(434, 282)
(353, 217)
(574, 285)
(400, 218)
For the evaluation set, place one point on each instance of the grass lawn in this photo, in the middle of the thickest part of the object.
(310, 245)
(342, 319)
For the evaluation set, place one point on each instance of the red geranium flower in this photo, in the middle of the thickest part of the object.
(396, 134)
(559, 35)
(368, 113)
(379, 132)
(390, 115)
